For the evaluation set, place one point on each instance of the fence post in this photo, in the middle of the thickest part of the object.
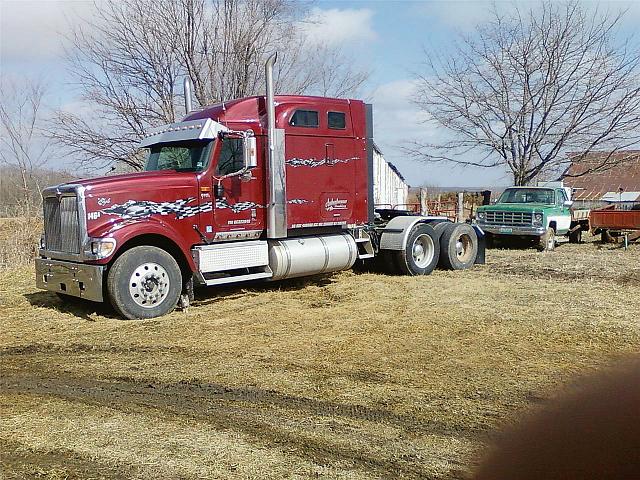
(460, 207)
(424, 205)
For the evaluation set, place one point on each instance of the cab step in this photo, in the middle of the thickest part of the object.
(223, 278)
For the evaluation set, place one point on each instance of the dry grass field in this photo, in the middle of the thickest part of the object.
(19, 238)
(349, 376)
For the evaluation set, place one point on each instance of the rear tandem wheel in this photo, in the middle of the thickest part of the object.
(420, 255)
(458, 246)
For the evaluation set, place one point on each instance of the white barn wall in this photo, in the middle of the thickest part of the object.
(389, 188)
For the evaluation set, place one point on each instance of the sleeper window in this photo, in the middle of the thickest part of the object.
(304, 118)
(337, 120)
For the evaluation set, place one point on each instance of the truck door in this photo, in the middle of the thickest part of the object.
(564, 212)
(237, 201)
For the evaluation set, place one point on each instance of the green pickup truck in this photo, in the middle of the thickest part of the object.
(537, 213)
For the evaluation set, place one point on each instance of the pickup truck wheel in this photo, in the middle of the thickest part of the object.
(144, 282)
(547, 241)
(422, 252)
(575, 237)
(458, 247)
(606, 237)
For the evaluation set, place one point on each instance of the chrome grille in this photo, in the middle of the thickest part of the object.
(61, 224)
(509, 218)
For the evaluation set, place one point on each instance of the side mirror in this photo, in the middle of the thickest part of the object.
(250, 152)
(568, 203)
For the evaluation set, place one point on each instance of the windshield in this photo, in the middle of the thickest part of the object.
(527, 195)
(183, 157)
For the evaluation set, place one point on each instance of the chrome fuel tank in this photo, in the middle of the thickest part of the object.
(301, 256)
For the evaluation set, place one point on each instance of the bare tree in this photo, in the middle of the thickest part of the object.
(527, 90)
(23, 149)
(130, 59)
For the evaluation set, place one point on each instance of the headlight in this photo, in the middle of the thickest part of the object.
(537, 218)
(480, 215)
(103, 247)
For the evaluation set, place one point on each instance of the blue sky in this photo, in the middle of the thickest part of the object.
(386, 37)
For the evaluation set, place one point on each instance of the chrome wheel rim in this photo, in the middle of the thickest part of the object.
(149, 285)
(422, 251)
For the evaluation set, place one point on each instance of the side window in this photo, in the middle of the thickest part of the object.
(304, 118)
(337, 120)
(231, 157)
(561, 196)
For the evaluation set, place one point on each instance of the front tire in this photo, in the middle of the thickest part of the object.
(144, 282)
(422, 252)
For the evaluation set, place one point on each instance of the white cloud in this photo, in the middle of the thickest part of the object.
(33, 29)
(398, 121)
(338, 26)
(394, 114)
(461, 14)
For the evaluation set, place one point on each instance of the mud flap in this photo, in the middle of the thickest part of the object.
(482, 245)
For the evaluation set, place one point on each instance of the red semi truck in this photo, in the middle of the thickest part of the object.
(259, 188)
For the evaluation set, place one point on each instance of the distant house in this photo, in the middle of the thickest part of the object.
(618, 185)
(390, 189)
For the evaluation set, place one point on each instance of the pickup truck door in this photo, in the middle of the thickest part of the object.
(562, 213)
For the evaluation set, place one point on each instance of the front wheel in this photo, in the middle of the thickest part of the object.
(144, 282)
(422, 252)
(547, 242)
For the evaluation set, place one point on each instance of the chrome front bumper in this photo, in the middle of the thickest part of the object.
(528, 230)
(75, 279)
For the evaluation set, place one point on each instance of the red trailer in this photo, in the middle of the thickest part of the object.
(611, 222)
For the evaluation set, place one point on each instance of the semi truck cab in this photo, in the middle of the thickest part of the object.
(259, 188)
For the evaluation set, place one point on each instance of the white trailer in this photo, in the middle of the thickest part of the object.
(390, 189)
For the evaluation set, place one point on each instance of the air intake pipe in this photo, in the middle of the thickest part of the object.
(271, 107)
(277, 195)
(188, 107)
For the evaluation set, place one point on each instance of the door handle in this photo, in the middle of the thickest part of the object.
(329, 152)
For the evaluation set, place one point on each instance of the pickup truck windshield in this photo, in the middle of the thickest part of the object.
(183, 157)
(528, 195)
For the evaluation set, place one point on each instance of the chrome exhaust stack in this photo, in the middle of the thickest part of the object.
(277, 194)
(187, 87)
(271, 107)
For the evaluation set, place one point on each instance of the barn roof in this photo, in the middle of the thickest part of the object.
(624, 176)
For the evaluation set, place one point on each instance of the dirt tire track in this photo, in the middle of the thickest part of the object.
(19, 462)
(235, 409)
(52, 348)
